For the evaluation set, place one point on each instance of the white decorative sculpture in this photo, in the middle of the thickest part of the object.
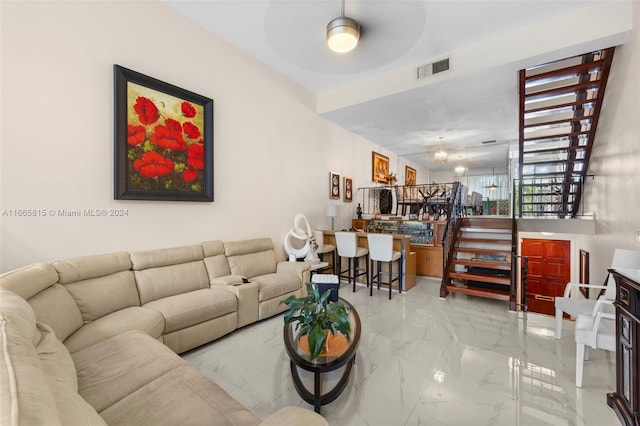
(302, 235)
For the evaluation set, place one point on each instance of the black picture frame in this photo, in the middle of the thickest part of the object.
(162, 152)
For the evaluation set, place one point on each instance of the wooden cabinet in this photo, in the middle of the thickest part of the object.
(410, 276)
(625, 401)
(359, 224)
(428, 260)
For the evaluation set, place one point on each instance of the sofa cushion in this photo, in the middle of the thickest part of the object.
(55, 307)
(165, 281)
(201, 402)
(187, 309)
(251, 258)
(97, 297)
(73, 409)
(99, 284)
(60, 372)
(30, 280)
(135, 318)
(84, 268)
(215, 260)
(25, 394)
(113, 368)
(274, 285)
(56, 359)
(165, 257)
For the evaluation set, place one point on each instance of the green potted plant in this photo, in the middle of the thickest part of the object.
(316, 318)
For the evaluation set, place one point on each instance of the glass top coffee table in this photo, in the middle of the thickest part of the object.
(343, 355)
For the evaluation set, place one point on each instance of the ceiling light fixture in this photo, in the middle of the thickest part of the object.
(441, 155)
(460, 169)
(343, 33)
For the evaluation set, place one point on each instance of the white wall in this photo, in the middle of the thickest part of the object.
(272, 152)
(615, 161)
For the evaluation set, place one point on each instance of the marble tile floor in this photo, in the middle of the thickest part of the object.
(424, 360)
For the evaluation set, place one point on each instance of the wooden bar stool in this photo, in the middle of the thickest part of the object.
(347, 243)
(381, 250)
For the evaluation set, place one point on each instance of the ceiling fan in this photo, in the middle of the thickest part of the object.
(493, 185)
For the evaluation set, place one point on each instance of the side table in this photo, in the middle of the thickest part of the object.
(322, 364)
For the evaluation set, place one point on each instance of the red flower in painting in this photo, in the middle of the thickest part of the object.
(195, 156)
(191, 130)
(153, 164)
(146, 110)
(188, 110)
(136, 135)
(173, 124)
(166, 138)
(189, 174)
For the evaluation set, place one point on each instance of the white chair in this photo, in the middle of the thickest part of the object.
(575, 306)
(324, 249)
(596, 330)
(347, 243)
(381, 250)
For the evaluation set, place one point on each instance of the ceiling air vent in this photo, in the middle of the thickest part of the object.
(433, 68)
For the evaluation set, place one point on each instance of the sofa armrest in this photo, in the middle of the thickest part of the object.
(227, 280)
(294, 416)
(294, 268)
(299, 269)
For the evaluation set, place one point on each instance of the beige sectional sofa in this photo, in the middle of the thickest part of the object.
(94, 340)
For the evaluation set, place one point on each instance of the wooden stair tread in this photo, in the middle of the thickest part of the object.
(491, 264)
(484, 240)
(485, 278)
(480, 292)
(486, 230)
(503, 252)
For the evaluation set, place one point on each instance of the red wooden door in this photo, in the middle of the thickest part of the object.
(549, 272)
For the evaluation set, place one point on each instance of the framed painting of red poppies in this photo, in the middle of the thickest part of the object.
(163, 140)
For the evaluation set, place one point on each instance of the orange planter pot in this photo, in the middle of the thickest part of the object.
(336, 345)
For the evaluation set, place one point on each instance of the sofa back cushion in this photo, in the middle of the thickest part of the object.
(56, 307)
(60, 371)
(25, 394)
(28, 281)
(215, 260)
(99, 284)
(167, 272)
(51, 302)
(251, 258)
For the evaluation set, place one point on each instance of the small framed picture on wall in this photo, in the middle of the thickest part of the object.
(348, 189)
(334, 185)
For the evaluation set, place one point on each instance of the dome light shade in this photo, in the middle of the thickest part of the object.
(343, 34)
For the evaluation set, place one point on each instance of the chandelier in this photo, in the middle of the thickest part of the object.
(441, 155)
(460, 169)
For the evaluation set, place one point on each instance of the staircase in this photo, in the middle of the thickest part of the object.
(481, 256)
(560, 105)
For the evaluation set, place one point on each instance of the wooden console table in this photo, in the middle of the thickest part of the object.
(625, 401)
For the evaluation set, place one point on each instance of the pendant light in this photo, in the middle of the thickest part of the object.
(343, 33)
